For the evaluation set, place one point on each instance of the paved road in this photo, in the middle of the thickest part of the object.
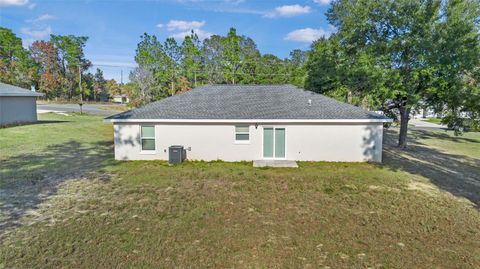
(86, 108)
(419, 123)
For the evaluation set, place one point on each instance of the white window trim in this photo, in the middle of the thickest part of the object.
(241, 142)
(148, 152)
(142, 151)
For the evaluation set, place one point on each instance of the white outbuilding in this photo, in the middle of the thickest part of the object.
(17, 105)
(250, 122)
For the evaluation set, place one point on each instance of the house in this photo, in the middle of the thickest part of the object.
(250, 122)
(120, 98)
(17, 105)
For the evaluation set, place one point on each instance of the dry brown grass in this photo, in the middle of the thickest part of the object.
(402, 214)
(232, 215)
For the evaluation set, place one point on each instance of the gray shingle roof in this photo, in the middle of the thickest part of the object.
(266, 102)
(10, 90)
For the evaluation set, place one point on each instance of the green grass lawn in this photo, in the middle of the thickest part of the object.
(433, 120)
(468, 143)
(80, 209)
(55, 146)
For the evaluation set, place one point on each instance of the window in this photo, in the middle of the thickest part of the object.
(148, 138)
(242, 133)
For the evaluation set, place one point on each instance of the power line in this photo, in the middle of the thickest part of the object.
(240, 73)
(111, 65)
(282, 64)
(198, 72)
(200, 75)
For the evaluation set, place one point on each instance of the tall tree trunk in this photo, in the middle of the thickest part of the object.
(349, 97)
(404, 118)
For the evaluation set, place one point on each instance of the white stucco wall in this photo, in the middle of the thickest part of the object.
(17, 109)
(352, 142)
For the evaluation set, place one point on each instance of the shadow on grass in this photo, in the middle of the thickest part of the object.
(50, 121)
(33, 123)
(29, 179)
(426, 134)
(457, 174)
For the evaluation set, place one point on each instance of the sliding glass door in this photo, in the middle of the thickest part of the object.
(274, 143)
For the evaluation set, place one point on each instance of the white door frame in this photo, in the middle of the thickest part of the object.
(274, 127)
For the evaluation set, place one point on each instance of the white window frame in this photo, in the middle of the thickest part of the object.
(275, 127)
(142, 151)
(235, 134)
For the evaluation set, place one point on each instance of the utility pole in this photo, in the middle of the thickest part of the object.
(80, 86)
(195, 77)
(121, 76)
(173, 83)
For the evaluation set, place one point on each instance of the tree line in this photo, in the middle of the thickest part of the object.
(59, 68)
(402, 55)
(167, 68)
(56, 67)
(391, 55)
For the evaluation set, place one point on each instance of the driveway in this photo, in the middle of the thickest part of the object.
(99, 109)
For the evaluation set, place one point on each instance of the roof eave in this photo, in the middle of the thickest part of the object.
(247, 120)
(21, 95)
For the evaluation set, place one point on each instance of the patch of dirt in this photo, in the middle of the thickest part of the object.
(383, 188)
(424, 188)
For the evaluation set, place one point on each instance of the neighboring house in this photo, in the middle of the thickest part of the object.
(17, 105)
(243, 122)
(121, 99)
(425, 113)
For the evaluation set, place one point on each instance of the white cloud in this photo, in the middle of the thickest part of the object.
(183, 28)
(288, 11)
(6, 3)
(27, 42)
(38, 34)
(307, 35)
(234, 2)
(200, 33)
(184, 25)
(323, 2)
(44, 17)
(16, 3)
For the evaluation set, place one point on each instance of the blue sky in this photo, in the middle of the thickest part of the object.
(114, 27)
